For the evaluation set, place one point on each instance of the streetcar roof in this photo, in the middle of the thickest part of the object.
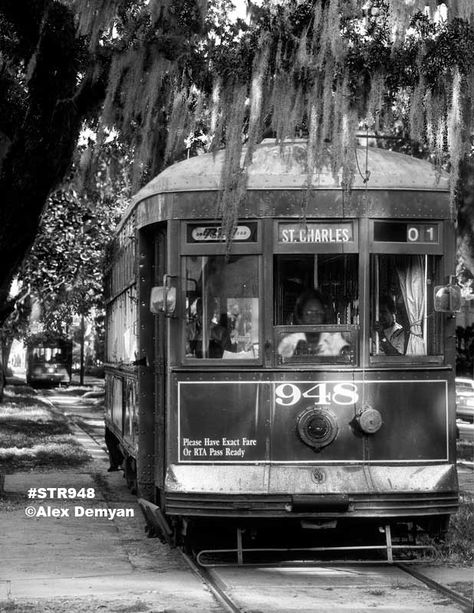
(284, 167)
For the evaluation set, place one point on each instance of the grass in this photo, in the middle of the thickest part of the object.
(10, 502)
(458, 546)
(34, 435)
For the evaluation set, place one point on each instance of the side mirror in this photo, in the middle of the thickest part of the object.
(163, 298)
(447, 298)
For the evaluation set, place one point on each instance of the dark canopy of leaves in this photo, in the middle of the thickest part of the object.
(63, 272)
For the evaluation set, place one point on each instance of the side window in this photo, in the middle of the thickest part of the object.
(316, 311)
(402, 319)
(222, 307)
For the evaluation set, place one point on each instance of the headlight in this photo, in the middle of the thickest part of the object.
(317, 427)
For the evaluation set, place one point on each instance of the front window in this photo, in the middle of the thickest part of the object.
(48, 355)
(316, 308)
(222, 307)
(403, 321)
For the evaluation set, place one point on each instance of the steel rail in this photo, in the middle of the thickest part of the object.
(446, 591)
(218, 589)
(215, 586)
(74, 419)
(98, 441)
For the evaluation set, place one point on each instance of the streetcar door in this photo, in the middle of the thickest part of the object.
(159, 352)
(151, 364)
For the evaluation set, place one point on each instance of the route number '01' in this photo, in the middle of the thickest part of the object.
(288, 394)
(422, 233)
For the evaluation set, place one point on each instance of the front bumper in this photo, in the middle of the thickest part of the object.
(307, 491)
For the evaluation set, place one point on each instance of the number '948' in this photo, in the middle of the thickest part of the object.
(344, 393)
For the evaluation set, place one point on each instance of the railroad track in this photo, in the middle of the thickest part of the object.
(98, 440)
(216, 583)
(217, 588)
(465, 603)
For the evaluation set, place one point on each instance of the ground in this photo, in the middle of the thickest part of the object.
(83, 564)
(79, 564)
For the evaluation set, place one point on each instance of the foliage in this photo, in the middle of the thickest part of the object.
(63, 270)
(172, 74)
(322, 68)
(465, 208)
(47, 89)
(458, 545)
(54, 77)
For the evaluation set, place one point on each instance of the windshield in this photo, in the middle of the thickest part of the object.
(316, 307)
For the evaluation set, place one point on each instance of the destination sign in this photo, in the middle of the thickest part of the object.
(214, 233)
(403, 232)
(315, 233)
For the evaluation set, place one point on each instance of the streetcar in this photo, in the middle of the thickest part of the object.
(48, 360)
(305, 377)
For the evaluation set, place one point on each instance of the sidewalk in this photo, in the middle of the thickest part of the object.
(78, 563)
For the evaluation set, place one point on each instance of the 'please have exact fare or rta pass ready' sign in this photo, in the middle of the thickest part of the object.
(257, 421)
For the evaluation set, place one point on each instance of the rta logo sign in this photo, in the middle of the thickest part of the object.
(321, 394)
(318, 476)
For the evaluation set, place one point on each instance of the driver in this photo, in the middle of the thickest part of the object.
(312, 308)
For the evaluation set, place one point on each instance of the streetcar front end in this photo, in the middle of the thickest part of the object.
(303, 370)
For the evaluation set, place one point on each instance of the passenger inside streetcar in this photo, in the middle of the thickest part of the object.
(222, 307)
(218, 337)
(312, 308)
(391, 335)
(401, 323)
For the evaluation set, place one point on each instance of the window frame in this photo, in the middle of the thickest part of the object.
(314, 360)
(406, 248)
(314, 248)
(210, 249)
(394, 248)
